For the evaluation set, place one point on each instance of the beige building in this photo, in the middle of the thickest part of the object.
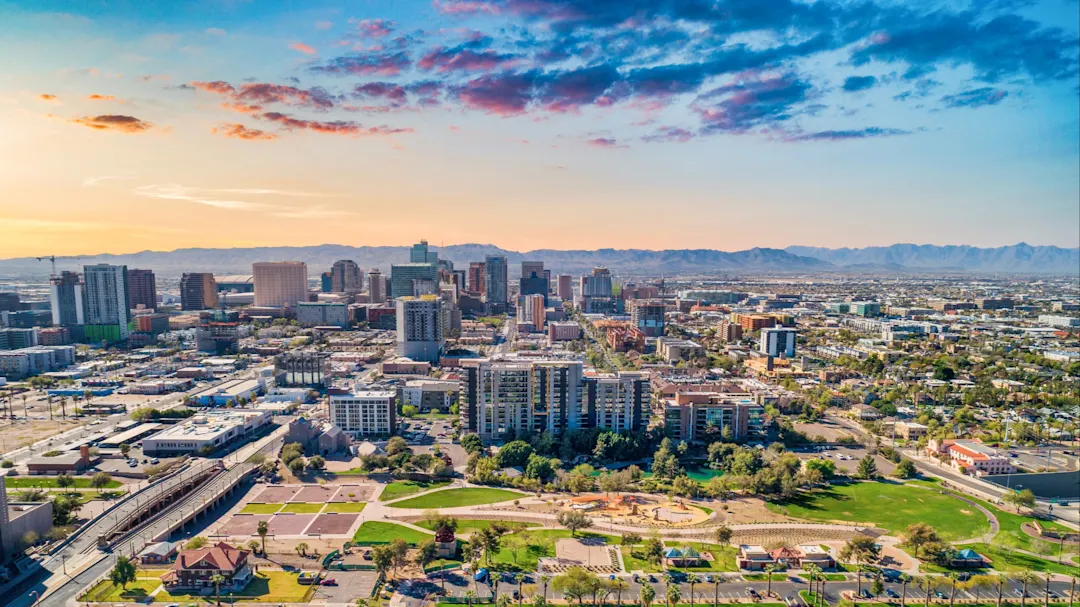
(280, 284)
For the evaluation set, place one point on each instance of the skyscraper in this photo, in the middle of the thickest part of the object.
(405, 276)
(647, 316)
(376, 293)
(534, 280)
(107, 308)
(67, 300)
(501, 397)
(420, 254)
(280, 284)
(420, 334)
(198, 291)
(778, 341)
(566, 287)
(142, 289)
(476, 278)
(495, 281)
(326, 282)
(346, 277)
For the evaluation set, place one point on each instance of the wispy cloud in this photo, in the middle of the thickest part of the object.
(90, 182)
(232, 199)
(48, 97)
(303, 48)
(203, 196)
(239, 131)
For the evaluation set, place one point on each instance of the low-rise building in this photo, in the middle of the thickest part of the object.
(910, 430)
(230, 392)
(563, 331)
(971, 456)
(672, 349)
(159, 553)
(206, 432)
(428, 394)
(360, 412)
(195, 570)
(66, 463)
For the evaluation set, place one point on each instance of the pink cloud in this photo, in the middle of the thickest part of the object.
(303, 48)
(465, 7)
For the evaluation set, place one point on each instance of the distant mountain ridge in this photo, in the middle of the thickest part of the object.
(896, 258)
(1020, 257)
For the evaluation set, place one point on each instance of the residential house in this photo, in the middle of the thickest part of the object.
(194, 570)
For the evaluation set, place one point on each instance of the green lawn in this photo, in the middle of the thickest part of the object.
(829, 577)
(703, 474)
(451, 498)
(398, 489)
(723, 556)
(265, 587)
(302, 508)
(377, 532)
(260, 508)
(107, 592)
(49, 482)
(472, 525)
(1007, 561)
(810, 598)
(524, 549)
(760, 577)
(345, 507)
(634, 559)
(892, 506)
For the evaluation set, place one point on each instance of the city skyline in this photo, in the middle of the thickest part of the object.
(226, 124)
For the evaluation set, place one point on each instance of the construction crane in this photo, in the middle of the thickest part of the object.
(52, 260)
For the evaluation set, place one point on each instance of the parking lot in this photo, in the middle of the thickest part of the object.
(423, 434)
(350, 586)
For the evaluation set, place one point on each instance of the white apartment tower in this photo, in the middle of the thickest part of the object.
(420, 331)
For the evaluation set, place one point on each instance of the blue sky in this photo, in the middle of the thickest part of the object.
(575, 123)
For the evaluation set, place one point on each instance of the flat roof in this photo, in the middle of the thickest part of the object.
(131, 434)
(206, 426)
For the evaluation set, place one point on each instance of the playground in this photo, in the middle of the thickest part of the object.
(640, 510)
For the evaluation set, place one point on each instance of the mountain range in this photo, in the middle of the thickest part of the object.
(1020, 258)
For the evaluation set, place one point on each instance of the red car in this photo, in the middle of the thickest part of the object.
(329, 582)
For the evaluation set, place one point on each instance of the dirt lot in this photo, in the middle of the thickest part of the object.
(21, 433)
(831, 432)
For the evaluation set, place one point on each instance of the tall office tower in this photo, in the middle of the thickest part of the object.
(534, 280)
(280, 284)
(142, 289)
(405, 276)
(597, 284)
(476, 277)
(495, 281)
(778, 341)
(346, 277)
(198, 291)
(9, 302)
(67, 300)
(617, 401)
(420, 254)
(376, 286)
(107, 309)
(565, 289)
(420, 334)
(326, 282)
(521, 396)
(533, 310)
(647, 316)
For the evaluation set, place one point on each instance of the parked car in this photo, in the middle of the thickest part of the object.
(329, 582)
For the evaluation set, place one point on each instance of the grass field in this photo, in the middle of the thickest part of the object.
(472, 525)
(760, 577)
(377, 532)
(49, 482)
(258, 508)
(524, 549)
(829, 577)
(399, 489)
(302, 508)
(345, 507)
(450, 498)
(107, 592)
(1007, 561)
(892, 506)
(634, 559)
(723, 557)
(265, 587)
(810, 598)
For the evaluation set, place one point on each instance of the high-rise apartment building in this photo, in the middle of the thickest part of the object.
(67, 300)
(617, 401)
(495, 280)
(280, 284)
(142, 289)
(565, 289)
(420, 328)
(534, 279)
(346, 277)
(412, 279)
(729, 331)
(198, 291)
(647, 316)
(376, 286)
(107, 309)
(708, 416)
(533, 310)
(420, 254)
(476, 277)
(595, 292)
(777, 341)
(363, 412)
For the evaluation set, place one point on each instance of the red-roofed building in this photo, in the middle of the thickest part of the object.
(194, 570)
(972, 455)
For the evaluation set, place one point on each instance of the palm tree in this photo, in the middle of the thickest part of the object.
(926, 584)
(812, 571)
(905, 579)
(1046, 591)
(716, 589)
(769, 569)
(301, 548)
(475, 566)
(1000, 581)
(692, 579)
(470, 596)
(672, 594)
(619, 585)
(1072, 587)
(1025, 578)
(263, 530)
(646, 595)
(217, 579)
(953, 578)
(544, 579)
(520, 579)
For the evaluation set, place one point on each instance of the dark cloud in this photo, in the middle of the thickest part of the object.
(975, 97)
(393, 93)
(464, 60)
(859, 83)
(749, 104)
(573, 89)
(505, 93)
(365, 64)
(253, 96)
(114, 122)
(865, 133)
(239, 131)
(607, 143)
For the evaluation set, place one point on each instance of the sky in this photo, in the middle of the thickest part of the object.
(565, 124)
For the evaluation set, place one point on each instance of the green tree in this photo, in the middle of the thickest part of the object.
(316, 463)
(1021, 499)
(647, 595)
(654, 550)
(217, 580)
(919, 535)
(195, 543)
(723, 535)
(472, 443)
(383, 558)
(123, 572)
(263, 529)
(631, 539)
(64, 481)
(100, 480)
(515, 453)
(574, 520)
(905, 469)
(867, 468)
(672, 594)
(426, 554)
(576, 584)
(860, 549)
